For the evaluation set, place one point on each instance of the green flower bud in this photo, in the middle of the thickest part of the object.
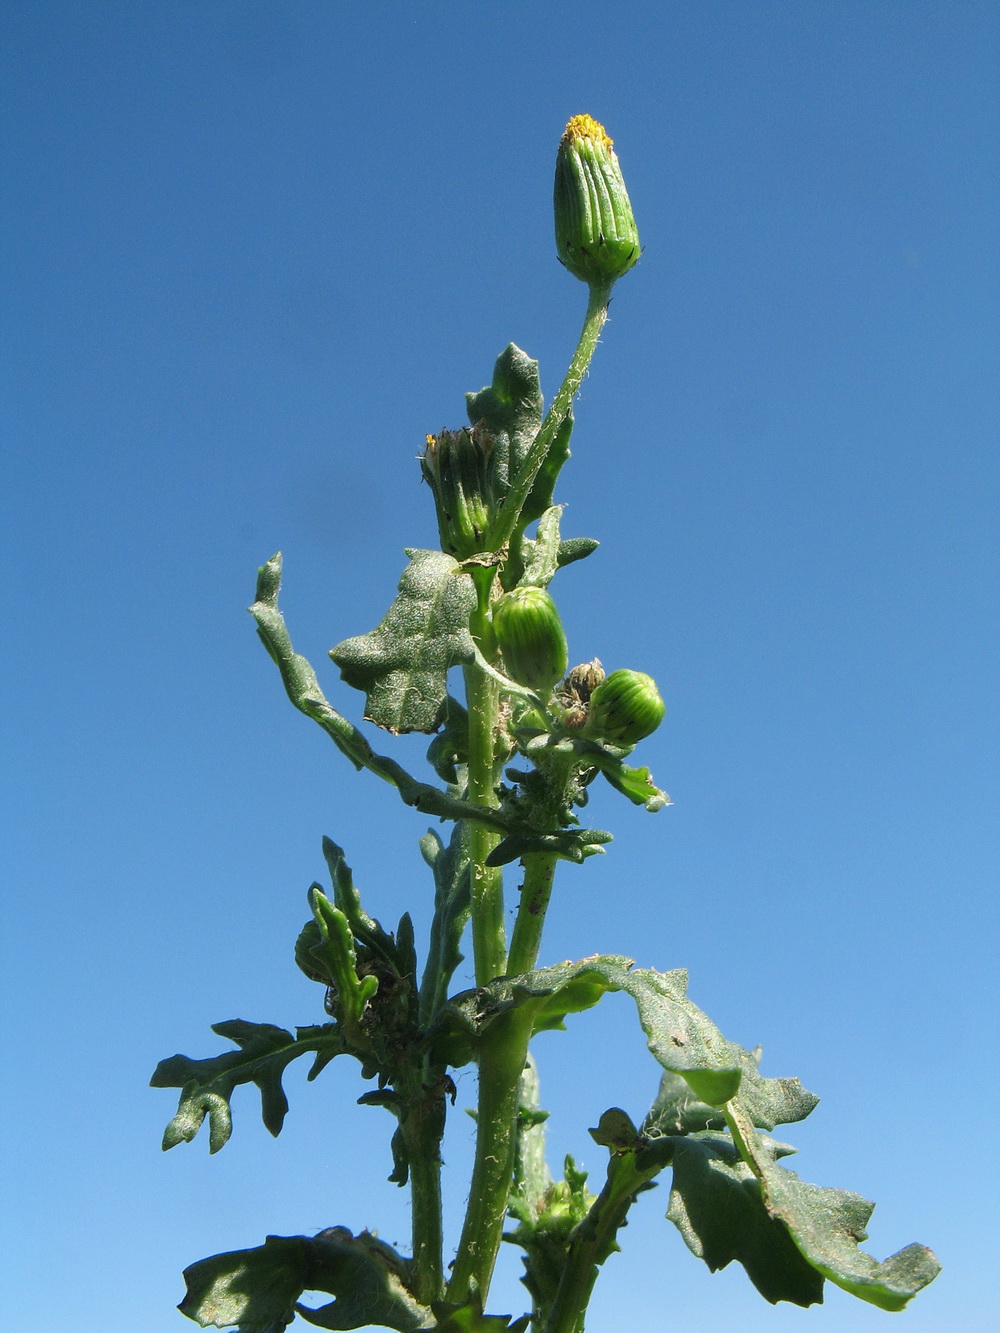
(625, 708)
(531, 637)
(596, 236)
(457, 466)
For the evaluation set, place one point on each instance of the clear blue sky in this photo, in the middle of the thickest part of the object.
(252, 253)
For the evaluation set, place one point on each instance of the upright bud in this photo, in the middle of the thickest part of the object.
(584, 679)
(596, 236)
(625, 708)
(531, 637)
(456, 464)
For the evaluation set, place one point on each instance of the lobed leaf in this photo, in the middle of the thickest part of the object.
(402, 665)
(682, 1038)
(207, 1085)
(259, 1289)
(787, 1234)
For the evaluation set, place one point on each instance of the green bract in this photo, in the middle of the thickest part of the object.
(596, 235)
(531, 638)
(625, 708)
(510, 771)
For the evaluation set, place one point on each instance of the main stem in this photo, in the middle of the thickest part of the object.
(489, 932)
(504, 1048)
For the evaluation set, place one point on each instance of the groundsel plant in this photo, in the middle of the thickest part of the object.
(512, 765)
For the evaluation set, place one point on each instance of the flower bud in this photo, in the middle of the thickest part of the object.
(625, 708)
(456, 464)
(531, 637)
(596, 236)
(583, 680)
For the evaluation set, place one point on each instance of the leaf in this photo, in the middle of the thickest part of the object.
(303, 690)
(572, 844)
(452, 904)
(511, 409)
(677, 1110)
(469, 1318)
(683, 1039)
(402, 665)
(450, 747)
(716, 1204)
(258, 1289)
(540, 496)
(788, 1235)
(635, 783)
(542, 554)
(576, 548)
(207, 1085)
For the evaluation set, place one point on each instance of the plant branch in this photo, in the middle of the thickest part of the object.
(506, 522)
(539, 871)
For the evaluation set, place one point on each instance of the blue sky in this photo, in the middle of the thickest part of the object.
(252, 253)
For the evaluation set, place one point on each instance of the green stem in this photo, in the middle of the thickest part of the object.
(489, 932)
(506, 521)
(502, 1058)
(539, 870)
(423, 1128)
(593, 1241)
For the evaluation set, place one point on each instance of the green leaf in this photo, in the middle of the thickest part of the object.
(576, 548)
(469, 1318)
(402, 665)
(541, 559)
(635, 783)
(258, 1289)
(677, 1110)
(715, 1203)
(511, 409)
(450, 747)
(683, 1039)
(303, 690)
(540, 496)
(452, 904)
(207, 1085)
(572, 844)
(788, 1235)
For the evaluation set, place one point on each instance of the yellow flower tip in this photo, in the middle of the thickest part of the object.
(586, 127)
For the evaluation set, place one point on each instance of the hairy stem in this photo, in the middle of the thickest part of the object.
(539, 871)
(423, 1128)
(593, 1241)
(489, 934)
(506, 521)
(501, 1062)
